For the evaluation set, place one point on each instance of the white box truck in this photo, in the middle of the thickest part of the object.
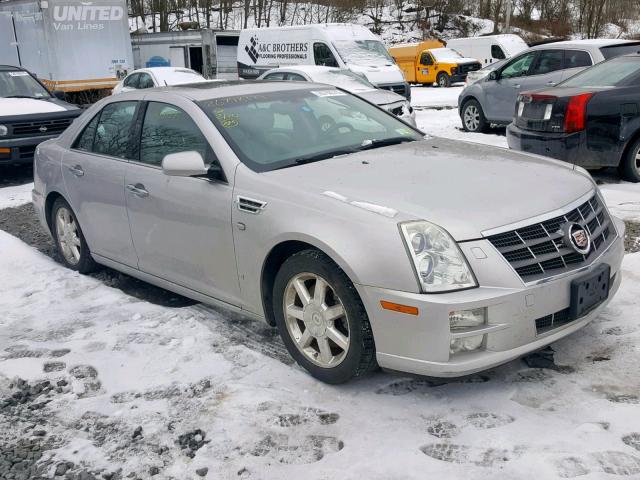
(490, 48)
(335, 45)
(71, 45)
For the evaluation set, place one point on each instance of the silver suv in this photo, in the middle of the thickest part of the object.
(366, 243)
(491, 99)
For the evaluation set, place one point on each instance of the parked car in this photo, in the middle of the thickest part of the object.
(489, 49)
(591, 120)
(443, 66)
(347, 239)
(491, 99)
(29, 114)
(351, 82)
(157, 77)
(342, 45)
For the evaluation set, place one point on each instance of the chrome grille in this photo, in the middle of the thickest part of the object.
(538, 251)
(41, 127)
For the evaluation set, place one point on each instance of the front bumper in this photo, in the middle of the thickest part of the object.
(21, 149)
(420, 344)
(568, 147)
(458, 78)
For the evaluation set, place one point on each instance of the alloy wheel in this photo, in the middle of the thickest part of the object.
(68, 237)
(471, 117)
(316, 320)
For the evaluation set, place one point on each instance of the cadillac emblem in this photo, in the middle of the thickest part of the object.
(577, 238)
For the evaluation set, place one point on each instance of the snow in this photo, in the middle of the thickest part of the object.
(15, 196)
(171, 370)
(623, 199)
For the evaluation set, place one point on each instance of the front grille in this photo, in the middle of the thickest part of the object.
(538, 251)
(555, 320)
(41, 127)
(400, 88)
(468, 67)
(397, 111)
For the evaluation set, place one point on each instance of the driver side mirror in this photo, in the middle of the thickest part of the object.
(184, 164)
(494, 75)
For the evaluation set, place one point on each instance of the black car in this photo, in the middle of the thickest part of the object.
(592, 119)
(29, 115)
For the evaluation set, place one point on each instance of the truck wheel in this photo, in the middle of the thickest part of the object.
(321, 318)
(444, 80)
(69, 238)
(472, 117)
(629, 167)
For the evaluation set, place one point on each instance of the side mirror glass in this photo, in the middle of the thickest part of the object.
(184, 164)
(494, 75)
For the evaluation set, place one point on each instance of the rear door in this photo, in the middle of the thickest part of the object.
(546, 71)
(575, 61)
(93, 171)
(181, 226)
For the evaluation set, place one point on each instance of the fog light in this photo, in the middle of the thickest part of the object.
(464, 319)
(465, 344)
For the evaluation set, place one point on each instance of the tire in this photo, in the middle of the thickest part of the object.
(443, 80)
(473, 119)
(320, 319)
(72, 246)
(629, 167)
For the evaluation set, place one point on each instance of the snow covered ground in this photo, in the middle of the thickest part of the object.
(95, 383)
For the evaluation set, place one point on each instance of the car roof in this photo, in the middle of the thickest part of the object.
(594, 42)
(227, 88)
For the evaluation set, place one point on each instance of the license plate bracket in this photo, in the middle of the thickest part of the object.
(589, 291)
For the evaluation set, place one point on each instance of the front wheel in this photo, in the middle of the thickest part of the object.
(321, 318)
(69, 238)
(444, 80)
(473, 119)
(629, 167)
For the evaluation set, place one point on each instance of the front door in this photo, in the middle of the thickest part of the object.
(93, 171)
(181, 226)
(425, 70)
(500, 95)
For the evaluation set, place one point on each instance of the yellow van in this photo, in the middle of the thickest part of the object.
(430, 62)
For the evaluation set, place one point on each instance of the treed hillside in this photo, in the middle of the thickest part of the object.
(401, 20)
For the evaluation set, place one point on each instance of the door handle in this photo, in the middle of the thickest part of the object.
(138, 190)
(76, 170)
(551, 83)
(515, 86)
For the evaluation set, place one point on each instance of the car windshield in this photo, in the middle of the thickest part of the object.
(282, 129)
(445, 54)
(363, 52)
(20, 84)
(344, 79)
(605, 74)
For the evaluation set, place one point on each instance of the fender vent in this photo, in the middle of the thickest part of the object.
(250, 205)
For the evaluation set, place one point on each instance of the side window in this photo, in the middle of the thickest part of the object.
(295, 77)
(168, 129)
(84, 141)
(145, 81)
(518, 67)
(497, 53)
(547, 61)
(132, 81)
(113, 129)
(275, 76)
(576, 58)
(425, 59)
(323, 55)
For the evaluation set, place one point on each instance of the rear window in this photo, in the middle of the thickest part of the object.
(606, 74)
(621, 49)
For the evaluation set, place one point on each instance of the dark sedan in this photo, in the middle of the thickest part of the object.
(591, 119)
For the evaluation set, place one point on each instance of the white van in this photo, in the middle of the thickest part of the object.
(333, 45)
(490, 48)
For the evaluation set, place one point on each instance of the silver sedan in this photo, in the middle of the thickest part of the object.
(366, 243)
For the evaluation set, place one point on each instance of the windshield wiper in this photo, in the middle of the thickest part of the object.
(369, 144)
(316, 157)
(23, 96)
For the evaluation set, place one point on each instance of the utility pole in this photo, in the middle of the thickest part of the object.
(507, 22)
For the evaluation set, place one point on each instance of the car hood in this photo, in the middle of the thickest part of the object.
(27, 106)
(380, 96)
(465, 188)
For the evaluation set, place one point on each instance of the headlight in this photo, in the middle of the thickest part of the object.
(454, 70)
(3, 130)
(439, 263)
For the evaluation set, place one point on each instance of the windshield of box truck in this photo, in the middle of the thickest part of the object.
(363, 52)
(20, 84)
